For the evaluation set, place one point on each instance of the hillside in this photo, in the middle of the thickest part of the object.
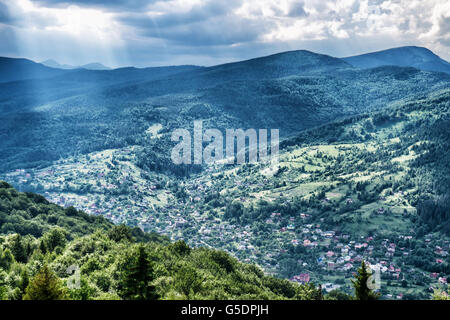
(26, 213)
(86, 111)
(416, 57)
(373, 186)
(363, 172)
(90, 66)
(95, 66)
(12, 69)
(278, 65)
(102, 259)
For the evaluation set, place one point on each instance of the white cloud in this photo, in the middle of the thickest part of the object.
(234, 28)
(78, 33)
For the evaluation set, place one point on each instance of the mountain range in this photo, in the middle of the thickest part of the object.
(291, 91)
(90, 66)
(277, 65)
(363, 170)
(416, 57)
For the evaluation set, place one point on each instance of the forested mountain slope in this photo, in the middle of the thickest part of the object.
(363, 170)
(80, 263)
(417, 57)
(85, 111)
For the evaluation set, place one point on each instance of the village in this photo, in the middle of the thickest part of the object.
(114, 187)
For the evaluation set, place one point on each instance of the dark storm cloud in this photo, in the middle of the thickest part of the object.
(5, 17)
(297, 9)
(197, 13)
(208, 24)
(203, 33)
(13, 15)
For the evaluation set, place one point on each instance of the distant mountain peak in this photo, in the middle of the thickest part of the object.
(55, 64)
(95, 66)
(408, 56)
(278, 65)
(15, 69)
(90, 66)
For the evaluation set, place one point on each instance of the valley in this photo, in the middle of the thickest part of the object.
(363, 171)
(319, 212)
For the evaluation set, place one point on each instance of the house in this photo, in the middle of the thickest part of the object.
(330, 287)
(301, 278)
(275, 214)
(328, 234)
(360, 245)
(348, 266)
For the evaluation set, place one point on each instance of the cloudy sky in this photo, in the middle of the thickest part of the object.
(207, 32)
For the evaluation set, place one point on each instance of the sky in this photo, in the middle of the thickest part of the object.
(208, 32)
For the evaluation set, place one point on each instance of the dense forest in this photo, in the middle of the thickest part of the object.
(47, 252)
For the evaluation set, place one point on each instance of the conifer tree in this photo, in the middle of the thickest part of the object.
(136, 278)
(18, 249)
(3, 286)
(45, 286)
(23, 282)
(6, 259)
(362, 291)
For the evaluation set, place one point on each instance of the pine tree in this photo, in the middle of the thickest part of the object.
(137, 275)
(3, 285)
(362, 291)
(42, 247)
(45, 286)
(18, 249)
(6, 259)
(24, 281)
